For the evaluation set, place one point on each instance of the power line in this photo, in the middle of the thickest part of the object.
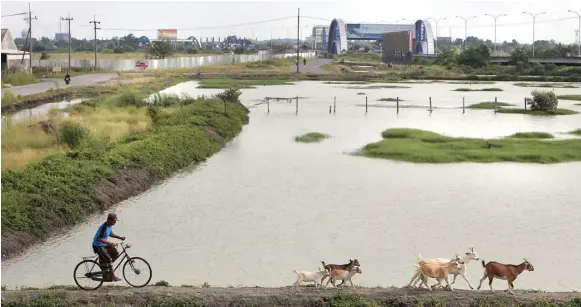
(14, 14)
(204, 28)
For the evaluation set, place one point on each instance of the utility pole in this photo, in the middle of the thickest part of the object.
(69, 20)
(534, 19)
(465, 28)
(29, 19)
(495, 17)
(436, 40)
(578, 32)
(298, 36)
(94, 22)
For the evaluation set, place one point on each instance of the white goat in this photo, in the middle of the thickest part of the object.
(438, 271)
(342, 275)
(470, 255)
(310, 276)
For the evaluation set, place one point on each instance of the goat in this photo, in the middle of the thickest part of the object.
(439, 271)
(347, 267)
(508, 272)
(470, 255)
(310, 276)
(344, 275)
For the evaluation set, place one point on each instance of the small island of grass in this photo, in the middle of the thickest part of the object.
(490, 89)
(570, 97)
(488, 105)
(360, 93)
(545, 85)
(420, 146)
(532, 135)
(375, 87)
(311, 137)
(537, 112)
(389, 99)
(239, 83)
(576, 132)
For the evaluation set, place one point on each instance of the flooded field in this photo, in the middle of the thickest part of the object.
(266, 205)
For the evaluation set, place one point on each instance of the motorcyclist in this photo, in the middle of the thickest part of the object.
(67, 78)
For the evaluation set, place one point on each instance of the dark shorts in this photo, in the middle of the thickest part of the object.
(107, 256)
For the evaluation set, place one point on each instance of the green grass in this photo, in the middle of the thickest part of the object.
(389, 99)
(311, 137)
(532, 135)
(539, 113)
(488, 105)
(491, 89)
(420, 146)
(239, 83)
(547, 85)
(360, 93)
(569, 97)
(576, 132)
(60, 190)
(20, 78)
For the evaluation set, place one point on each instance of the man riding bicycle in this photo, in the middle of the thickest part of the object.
(106, 249)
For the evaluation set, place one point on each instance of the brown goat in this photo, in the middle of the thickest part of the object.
(508, 272)
(345, 267)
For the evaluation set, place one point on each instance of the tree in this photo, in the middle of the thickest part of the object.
(543, 100)
(475, 56)
(161, 49)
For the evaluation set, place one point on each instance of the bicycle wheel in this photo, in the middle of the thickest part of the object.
(88, 275)
(139, 268)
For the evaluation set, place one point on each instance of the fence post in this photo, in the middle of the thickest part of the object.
(335, 105)
(430, 104)
(495, 105)
(366, 104)
(297, 106)
(463, 106)
(525, 103)
(268, 105)
(330, 109)
(397, 104)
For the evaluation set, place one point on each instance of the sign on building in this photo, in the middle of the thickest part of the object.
(167, 33)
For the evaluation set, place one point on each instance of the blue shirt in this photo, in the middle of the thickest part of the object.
(103, 232)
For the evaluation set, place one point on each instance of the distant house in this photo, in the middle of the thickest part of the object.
(11, 56)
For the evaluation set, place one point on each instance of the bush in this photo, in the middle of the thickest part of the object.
(230, 95)
(131, 98)
(44, 55)
(8, 98)
(73, 134)
(544, 101)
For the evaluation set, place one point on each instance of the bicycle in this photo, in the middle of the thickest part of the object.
(94, 272)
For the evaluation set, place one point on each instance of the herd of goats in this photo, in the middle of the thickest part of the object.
(438, 268)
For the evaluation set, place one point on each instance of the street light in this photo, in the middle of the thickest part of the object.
(579, 33)
(495, 17)
(436, 41)
(465, 27)
(534, 19)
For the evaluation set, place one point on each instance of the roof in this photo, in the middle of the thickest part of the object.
(4, 33)
(13, 51)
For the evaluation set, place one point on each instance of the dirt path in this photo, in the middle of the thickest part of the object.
(46, 84)
(402, 297)
(314, 66)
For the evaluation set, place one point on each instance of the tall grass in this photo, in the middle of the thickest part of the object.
(420, 146)
(20, 78)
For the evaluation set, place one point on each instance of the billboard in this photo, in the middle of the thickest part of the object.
(374, 31)
(61, 36)
(398, 41)
(167, 33)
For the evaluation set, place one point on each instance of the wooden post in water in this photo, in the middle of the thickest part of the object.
(463, 106)
(268, 105)
(397, 104)
(335, 105)
(297, 106)
(430, 104)
(495, 105)
(525, 103)
(330, 109)
(365, 104)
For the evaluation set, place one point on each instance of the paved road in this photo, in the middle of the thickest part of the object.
(46, 84)
(314, 66)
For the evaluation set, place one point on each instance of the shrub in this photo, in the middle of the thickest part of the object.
(73, 134)
(8, 98)
(230, 95)
(131, 98)
(44, 55)
(544, 100)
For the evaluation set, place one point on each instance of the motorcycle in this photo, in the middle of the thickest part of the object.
(67, 79)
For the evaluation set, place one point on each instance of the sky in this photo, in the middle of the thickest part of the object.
(221, 18)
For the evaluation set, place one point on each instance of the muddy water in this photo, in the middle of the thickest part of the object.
(266, 205)
(42, 110)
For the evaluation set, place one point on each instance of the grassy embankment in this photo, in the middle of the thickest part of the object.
(420, 146)
(491, 105)
(18, 79)
(105, 152)
(546, 85)
(311, 137)
(165, 296)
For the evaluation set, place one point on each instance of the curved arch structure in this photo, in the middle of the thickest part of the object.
(424, 38)
(337, 41)
(195, 41)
